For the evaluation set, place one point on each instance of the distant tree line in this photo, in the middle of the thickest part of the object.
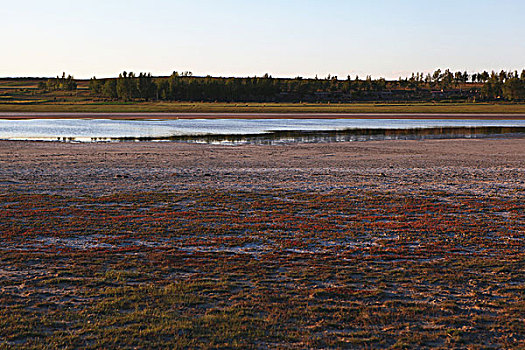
(59, 84)
(126, 87)
(438, 85)
(508, 85)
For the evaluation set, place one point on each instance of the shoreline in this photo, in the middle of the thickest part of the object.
(248, 115)
(408, 164)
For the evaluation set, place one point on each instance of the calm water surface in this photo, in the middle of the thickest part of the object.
(107, 129)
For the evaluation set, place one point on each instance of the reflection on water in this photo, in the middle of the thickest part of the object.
(292, 136)
(256, 131)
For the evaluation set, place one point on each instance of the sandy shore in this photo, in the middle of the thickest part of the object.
(494, 167)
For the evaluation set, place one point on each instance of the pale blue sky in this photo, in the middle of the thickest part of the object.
(240, 38)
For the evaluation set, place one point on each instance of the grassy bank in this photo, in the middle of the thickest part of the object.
(188, 107)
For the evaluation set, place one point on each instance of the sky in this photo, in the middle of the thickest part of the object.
(286, 38)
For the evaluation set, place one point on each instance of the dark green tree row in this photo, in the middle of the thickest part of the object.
(186, 87)
(126, 87)
(59, 84)
(509, 86)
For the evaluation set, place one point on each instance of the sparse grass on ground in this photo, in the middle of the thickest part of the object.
(261, 270)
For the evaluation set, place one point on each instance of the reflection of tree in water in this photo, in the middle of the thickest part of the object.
(293, 136)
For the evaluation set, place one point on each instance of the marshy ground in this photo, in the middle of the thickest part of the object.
(388, 244)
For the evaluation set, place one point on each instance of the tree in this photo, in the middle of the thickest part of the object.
(514, 89)
(447, 79)
(95, 85)
(492, 89)
(484, 76)
(146, 87)
(109, 89)
(127, 86)
(458, 78)
(465, 77)
(502, 76)
(428, 79)
(436, 77)
(381, 84)
(61, 83)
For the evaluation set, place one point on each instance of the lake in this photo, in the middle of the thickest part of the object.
(254, 130)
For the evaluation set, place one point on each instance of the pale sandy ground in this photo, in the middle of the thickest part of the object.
(482, 167)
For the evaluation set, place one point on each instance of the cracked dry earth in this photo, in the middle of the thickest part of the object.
(387, 244)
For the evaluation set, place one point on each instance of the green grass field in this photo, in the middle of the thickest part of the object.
(40, 105)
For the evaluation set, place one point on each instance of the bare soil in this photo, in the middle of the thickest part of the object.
(474, 166)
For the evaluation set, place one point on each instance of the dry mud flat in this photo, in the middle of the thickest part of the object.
(389, 244)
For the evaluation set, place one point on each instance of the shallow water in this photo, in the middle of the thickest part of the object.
(224, 130)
